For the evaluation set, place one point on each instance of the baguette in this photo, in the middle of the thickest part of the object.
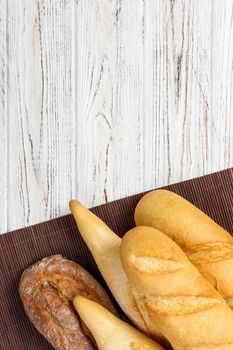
(110, 332)
(207, 245)
(47, 290)
(180, 302)
(104, 245)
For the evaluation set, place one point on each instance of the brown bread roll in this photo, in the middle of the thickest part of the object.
(206, 244)
(47, 290)
(180, 302)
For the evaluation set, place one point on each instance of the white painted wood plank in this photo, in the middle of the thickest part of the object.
(129, 129)
(24, 113)
(3, 117)
(158, 89)
(188, 47)
(176, 92)
(96, 83)
(40, 110)
(222, 85)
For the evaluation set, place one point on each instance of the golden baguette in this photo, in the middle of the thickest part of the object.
(109, 332)
(180, 302)
(104, 245)
(206, 244)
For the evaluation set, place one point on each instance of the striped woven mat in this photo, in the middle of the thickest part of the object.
(19, 249)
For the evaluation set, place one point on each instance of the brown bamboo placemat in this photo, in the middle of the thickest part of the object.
(19, 249)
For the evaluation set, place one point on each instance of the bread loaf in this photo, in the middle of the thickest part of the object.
(109, 331)
(47, 290)
(104, 245)
(180, 302)
(206, 244)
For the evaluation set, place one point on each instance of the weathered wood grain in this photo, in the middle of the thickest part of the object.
(3, 118)
(222, 85)
(39, 110)
(100, 99)
(129, 119)
(95, 98)
(188, 47)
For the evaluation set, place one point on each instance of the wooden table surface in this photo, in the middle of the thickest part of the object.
(100, 99)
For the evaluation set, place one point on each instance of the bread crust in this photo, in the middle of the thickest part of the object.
(109, 331)
(104, 245)
(208, 246)
(47, 290)
(180, 302)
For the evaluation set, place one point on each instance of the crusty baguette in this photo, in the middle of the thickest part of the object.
(110, 332)
(47, 290)
(104, 245)
(206, 244)
(180, 302)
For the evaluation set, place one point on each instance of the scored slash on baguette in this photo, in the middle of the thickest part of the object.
(155, 265)
(110, 332)
(104, 245)
(180, 305)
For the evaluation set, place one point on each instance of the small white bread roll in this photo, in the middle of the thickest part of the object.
(180, 302)
(206, 244)
(104, 245)
(110, 332)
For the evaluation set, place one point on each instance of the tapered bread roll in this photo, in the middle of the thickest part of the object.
(180, 302)
(110, 332)
(104, 245)
(206, 244)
